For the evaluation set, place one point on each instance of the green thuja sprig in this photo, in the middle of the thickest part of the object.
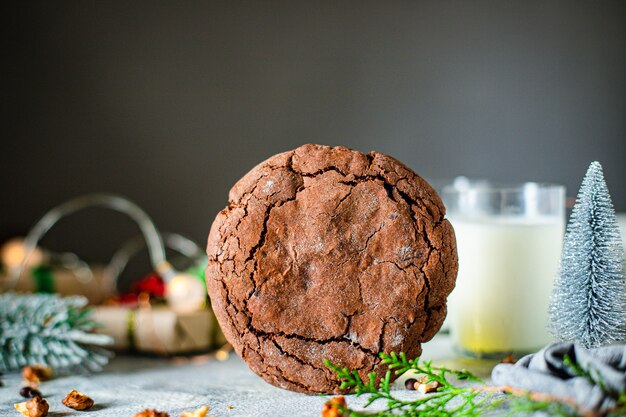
(577, 370)
(525, 405)
(595, 378)
(401, 364)
(449, 400)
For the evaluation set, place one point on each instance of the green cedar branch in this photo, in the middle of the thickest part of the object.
(449, 400)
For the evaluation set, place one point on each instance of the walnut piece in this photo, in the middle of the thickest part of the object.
(200, 412)
(334, 407)
(77, 400)
(509, 359)
(151, 413)
(34, 374)
(37, 407)
(424, 386)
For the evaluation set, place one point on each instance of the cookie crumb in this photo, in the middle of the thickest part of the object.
(410, 384)
(29, 392)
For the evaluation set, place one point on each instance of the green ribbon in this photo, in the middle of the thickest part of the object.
(43, 279)
(130, 329)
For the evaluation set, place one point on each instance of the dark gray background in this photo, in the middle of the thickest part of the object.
(169, 103)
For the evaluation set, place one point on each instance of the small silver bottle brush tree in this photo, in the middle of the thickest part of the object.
(588, 304)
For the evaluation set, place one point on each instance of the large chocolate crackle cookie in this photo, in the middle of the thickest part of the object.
(327, 253)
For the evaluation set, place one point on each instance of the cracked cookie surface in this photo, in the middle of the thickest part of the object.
(328, 253)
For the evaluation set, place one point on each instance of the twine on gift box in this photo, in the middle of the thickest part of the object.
(144, 304)
(130, 333)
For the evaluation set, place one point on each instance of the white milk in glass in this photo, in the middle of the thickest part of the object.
(507, 267)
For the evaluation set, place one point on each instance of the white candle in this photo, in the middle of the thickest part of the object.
(507, 267)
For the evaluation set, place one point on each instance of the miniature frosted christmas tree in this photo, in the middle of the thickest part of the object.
(588, 303)
(50, 330)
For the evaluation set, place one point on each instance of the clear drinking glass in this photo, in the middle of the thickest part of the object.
(509, 240)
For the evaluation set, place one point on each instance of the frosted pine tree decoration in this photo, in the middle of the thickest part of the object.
(51, 330)
(588, 303)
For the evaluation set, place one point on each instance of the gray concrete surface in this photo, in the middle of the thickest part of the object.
(129, 384)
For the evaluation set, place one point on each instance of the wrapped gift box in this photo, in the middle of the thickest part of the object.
(97, 285)
(158, 329)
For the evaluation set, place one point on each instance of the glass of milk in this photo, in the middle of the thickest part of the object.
(509, 240)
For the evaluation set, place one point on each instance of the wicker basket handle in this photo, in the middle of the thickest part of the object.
(115, 202)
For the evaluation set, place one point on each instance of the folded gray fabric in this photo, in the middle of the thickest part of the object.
(546, 372)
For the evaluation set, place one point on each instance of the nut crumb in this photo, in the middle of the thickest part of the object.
(425, 386)
(34, 374)
(200, 412)
(509, 359)
(77, 400)
(230, 407)
(21, 407)
(334, 407)
(36, 407)
(151, 413)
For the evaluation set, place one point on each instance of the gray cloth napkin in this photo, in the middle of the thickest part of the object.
(546, 372)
